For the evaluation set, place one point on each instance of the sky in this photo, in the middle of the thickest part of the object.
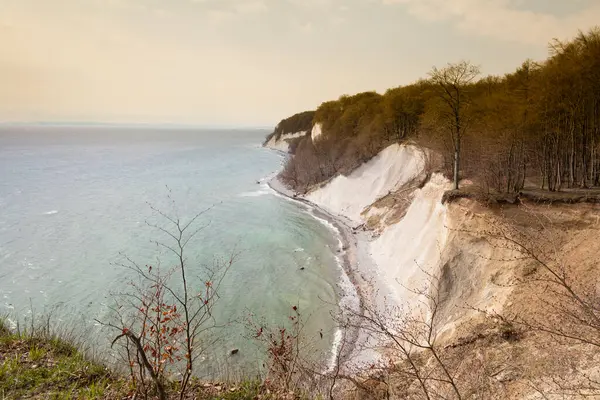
(251, 62)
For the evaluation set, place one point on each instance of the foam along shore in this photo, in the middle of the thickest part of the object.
(408, 251)
(349, 256)
(384, 269)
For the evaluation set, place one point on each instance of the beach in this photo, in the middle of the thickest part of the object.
(361, 274)
(392, 229)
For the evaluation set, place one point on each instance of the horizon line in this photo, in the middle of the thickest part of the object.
(135, 124)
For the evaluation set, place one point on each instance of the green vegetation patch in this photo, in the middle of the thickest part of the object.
(50, 369)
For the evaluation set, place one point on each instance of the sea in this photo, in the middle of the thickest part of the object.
(77, 205)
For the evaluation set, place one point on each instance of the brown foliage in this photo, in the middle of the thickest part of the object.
(537, 126)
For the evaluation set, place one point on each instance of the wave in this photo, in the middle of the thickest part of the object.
(264, 187)
(269, 177)
(51, 212)
(349, 298)
(331, 226)
(257, 193)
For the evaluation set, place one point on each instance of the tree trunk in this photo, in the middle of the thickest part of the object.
(572, 155)
(456, 165)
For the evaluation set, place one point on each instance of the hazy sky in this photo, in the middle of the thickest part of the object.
(250, 62)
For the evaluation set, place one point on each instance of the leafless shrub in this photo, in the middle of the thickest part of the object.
(570, 306)
(166, 314)
(407, 337)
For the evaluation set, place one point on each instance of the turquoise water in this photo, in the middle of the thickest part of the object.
(74, 200)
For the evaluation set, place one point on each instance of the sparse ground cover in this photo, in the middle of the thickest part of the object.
(46, 367)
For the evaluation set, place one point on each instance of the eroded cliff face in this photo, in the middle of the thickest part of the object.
(413, 237)
(390, 170)
(316, 132)
(498, 301)
(289, 130)
(283, 142)
(456, 267)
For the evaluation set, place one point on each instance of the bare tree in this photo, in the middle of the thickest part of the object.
(336, 371)
(576, 304)
(288, 361)
(569, 310)
(452, 82)
(409, 334)
(165, 314)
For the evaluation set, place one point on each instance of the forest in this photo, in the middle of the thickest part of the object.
(297, 123)
(538, 126)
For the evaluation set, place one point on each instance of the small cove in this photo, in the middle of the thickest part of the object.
(74, 200)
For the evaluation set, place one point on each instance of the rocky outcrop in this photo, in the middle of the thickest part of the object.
(289, 130)
(284, 141)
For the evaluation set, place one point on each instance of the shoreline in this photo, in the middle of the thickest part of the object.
(352, 255)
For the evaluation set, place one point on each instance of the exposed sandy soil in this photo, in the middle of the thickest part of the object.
(491, 283)
(490, 293)
(494, 359)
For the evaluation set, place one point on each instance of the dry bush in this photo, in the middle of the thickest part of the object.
(166, 315)
(564, 306)
(414, 365)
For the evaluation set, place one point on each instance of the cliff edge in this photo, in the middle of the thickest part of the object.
(464, 278)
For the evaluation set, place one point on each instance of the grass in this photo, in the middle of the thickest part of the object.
(42, 366)
(50, 368)
(246, 390)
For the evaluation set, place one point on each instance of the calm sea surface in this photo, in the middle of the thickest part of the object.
(74, 202)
